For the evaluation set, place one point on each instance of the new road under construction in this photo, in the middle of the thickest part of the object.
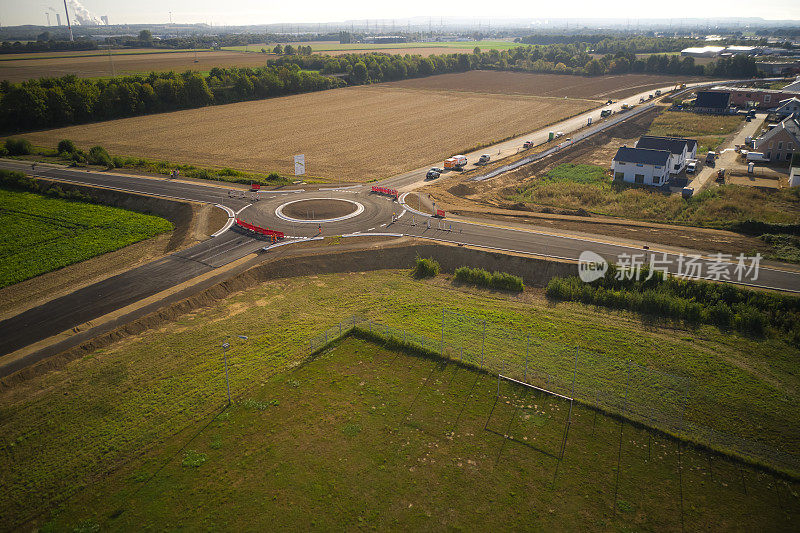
(265, 224)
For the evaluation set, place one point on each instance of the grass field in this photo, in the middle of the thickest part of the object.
(67, 430)
(351, 134)
(39, 234)
(591, 187)
(556, 85)
(367, 438)
(98, 65)
(709, 130)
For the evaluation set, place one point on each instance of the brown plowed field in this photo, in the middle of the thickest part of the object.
(100, 66)
(490, 81)
(350, 134)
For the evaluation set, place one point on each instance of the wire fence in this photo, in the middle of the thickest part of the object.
(644, 395)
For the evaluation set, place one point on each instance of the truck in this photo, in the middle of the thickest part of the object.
(624, 107)
(457, 162)
(605, 113)
(687, 192)
(711, 158)
(527, 145)
(691, 168)
(658, 92)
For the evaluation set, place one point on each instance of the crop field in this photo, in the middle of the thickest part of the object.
(364, 436)
(447, 47)
(557, 85)
(100, 65)
(39, 234)
(129, 432)
(351, 134)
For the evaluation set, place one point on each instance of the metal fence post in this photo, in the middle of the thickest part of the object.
(340, 329)
(461, 354)
(311, 345)
(527, 349)
(627, 383)
(326, 336)
(442, 349)
(574, 373)
(483, 344)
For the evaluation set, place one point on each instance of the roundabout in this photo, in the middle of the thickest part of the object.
(318, 210)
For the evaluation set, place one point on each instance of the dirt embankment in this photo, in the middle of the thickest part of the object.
(536, 272)
(193, 222)
(489, 199)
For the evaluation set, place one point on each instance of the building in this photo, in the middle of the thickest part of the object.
(795, 85)
(780, 142)
(779, 68)
(639, 165)
(747, 97)
(789, 107)
(715, 102)
(680, 150)
(704, 51)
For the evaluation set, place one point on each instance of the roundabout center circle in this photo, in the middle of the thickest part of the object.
(331, 208)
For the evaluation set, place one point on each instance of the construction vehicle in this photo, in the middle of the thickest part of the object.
(605, 113)
(658, 92)
(721, 175)
(457, 162)
(527, 145)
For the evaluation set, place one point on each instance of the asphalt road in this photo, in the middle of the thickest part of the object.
(372, 214)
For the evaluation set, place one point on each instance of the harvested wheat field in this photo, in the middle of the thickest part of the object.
(350, 134)
(431, 51)
(490, 81)
(92, 66)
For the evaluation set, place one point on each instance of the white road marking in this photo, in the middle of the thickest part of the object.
(242, 209)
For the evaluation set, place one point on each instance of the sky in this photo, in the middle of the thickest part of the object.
(240, 12)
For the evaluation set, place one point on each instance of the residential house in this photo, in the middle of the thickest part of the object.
(643, 166)
(681, 150)
(780, 142)
(747, 97)
(715, 102)
(789, 107)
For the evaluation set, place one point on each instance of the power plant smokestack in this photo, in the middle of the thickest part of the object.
(69, 24)
(46, 14)
(58, 19)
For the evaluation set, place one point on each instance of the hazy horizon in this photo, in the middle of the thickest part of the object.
(253, 12)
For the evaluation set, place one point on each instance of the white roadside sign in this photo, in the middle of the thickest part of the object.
(299, 165)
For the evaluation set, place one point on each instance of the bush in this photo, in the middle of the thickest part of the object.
(66, 146)
(99, 156)
(495, 280)
(18, 146)
(17, 180)
(3, 151)
(425, 268)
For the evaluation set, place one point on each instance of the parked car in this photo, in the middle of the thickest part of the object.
(485, 158)
(432, 174)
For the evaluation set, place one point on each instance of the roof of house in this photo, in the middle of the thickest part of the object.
(789, 125)
(789, 101)
(674, 145)
(642, 156)
(714, 99)
(794, 86)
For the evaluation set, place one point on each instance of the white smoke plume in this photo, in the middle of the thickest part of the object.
(83, 15)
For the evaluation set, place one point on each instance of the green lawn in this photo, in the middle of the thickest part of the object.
(367, 438)
(366, 47)
(709, 130)
(591, 187)
(39, 234)
(63, 431)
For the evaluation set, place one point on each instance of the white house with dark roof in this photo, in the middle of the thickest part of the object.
(641, 165)
(789, 107)
(681, 150)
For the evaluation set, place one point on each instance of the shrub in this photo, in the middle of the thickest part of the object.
(17, 180)
(3, 151)
(18, 146)
(425, 268)
(495, 280)
(65, 146)
(118, 162)
(99, 156)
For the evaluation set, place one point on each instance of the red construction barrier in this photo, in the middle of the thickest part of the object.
(440, 213)
(261, 231)
(384, 190)
(254, 187)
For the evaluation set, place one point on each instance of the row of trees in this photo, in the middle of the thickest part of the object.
(45, 44)
(51, 102)
(610, 44)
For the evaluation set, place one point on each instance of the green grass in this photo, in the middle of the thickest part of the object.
(366, 47)
(377, 439)
(710, 131)
(591, 187)
(40, 234)
(64, 429)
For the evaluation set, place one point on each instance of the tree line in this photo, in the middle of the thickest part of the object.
(46, 45)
